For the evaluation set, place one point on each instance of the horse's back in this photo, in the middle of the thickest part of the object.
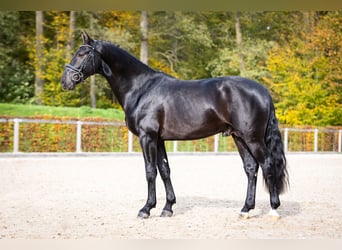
(237, 95)
(246, 87)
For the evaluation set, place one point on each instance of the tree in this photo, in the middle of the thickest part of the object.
(240, 55)
(239, 43)
(297, 54)
(16, 75)
(92, 78)
(39, 57)
(118, 27)
(305, 76)
(255, 54)
(180, 42)
(54, 57)
(72, 26)
(144, 37)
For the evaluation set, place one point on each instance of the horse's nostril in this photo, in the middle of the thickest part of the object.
(67, 84)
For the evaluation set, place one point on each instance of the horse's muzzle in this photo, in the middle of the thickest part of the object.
(67, 82)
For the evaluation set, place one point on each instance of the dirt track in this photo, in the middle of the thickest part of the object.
(99, 197)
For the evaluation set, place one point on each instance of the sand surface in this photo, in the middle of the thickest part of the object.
(99, 197)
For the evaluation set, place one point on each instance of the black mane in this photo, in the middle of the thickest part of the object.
(121, 59)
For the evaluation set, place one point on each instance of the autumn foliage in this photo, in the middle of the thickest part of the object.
(305, 76)
(297, 55)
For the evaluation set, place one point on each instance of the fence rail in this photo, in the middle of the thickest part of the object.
(37, 135)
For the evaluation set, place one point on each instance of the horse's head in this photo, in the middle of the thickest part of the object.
(86, 62)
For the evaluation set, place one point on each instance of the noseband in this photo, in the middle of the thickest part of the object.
(76, 74)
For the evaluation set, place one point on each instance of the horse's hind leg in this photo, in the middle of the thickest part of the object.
(251, 169)
(263, 157)
(164, 170)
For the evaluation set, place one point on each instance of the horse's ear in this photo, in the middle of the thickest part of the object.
(86, 38)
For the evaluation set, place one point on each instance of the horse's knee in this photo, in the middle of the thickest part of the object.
(151, 175)
(268, 169)
(260, 152)
(251, 168)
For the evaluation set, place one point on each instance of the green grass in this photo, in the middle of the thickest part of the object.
(20, 110)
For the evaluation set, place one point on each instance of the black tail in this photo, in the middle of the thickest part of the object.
(276, 148)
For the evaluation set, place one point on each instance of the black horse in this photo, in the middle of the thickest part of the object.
(159, 107)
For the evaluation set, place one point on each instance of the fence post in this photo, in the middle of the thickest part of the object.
(175, 146)
(130, 142)
(216, 143)
(316, 140)
(286, 140)
(16, 136)
(340, 141)
(79, 137)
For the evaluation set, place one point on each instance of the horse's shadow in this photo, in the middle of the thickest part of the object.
(186, 204)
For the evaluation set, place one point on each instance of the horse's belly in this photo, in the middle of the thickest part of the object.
(191, 131)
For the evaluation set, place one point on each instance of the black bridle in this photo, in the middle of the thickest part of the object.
(76, 74)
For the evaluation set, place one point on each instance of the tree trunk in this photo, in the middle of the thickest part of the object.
(92, 92)
(239, 43)
(71, 43)
(92, 78)
(144, 37)
(39, 51)
(309, 20)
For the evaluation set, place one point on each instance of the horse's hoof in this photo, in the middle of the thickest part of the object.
(244, 215)
(274, 218)
(166, 213)
(273, 214)
(143, 215)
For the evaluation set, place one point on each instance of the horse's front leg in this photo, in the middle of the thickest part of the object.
(149, 147)
(164, 170)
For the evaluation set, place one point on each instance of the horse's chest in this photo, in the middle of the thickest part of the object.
(143, 119)
(131, 125)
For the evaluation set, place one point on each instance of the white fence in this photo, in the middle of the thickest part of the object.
(13, 138)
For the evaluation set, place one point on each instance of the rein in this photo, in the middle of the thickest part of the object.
(76, 73)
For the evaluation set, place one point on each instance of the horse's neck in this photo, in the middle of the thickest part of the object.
(123, 64)
(128, 73)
